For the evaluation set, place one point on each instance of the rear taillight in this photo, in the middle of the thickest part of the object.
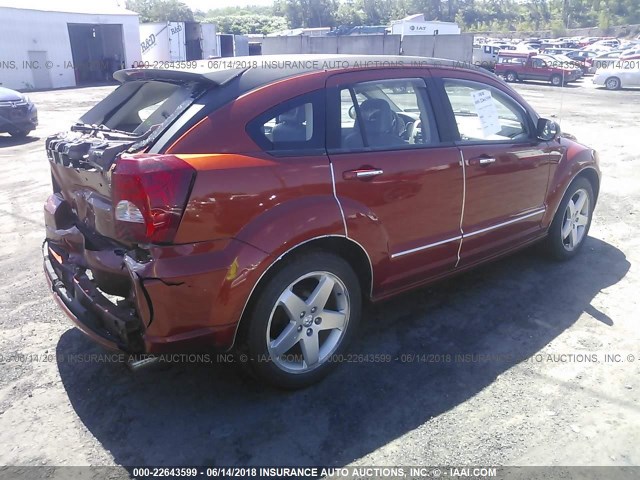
(149, 194)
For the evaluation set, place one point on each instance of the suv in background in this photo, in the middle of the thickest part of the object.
(522, 66)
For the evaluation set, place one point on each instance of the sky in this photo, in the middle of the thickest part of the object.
(194, 4)
(207, 4)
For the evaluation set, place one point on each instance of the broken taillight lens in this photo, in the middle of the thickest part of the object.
(149, 194)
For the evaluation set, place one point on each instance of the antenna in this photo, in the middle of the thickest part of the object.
(566, 29)
(562, 87)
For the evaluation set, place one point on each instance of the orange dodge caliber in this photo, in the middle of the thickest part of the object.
(256, 208)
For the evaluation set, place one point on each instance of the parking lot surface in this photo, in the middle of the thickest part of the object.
(522, 362)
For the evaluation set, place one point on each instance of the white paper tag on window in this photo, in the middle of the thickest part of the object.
(487, 113)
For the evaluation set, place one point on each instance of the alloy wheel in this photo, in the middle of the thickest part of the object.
(575, 220)
(308, 322)
(613, 83)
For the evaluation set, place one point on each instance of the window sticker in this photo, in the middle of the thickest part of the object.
(487, 113)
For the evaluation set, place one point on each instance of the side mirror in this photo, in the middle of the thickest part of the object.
(547, 130)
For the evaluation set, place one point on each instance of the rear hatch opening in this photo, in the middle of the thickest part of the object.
(111, 201)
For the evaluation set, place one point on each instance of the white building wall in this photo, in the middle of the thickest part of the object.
(46, 34)
(424, 28)
(210, 41)
(154, 41)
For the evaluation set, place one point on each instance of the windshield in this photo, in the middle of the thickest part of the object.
(137, 106)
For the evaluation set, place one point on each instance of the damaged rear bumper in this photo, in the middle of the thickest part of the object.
(107, 323)
(161, 299)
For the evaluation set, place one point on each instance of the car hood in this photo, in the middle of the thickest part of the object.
(7, 94)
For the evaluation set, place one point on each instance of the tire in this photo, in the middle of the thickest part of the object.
(511, 77)
(612, 83)
(556, 80)
(289, 340)
(564, 241)
(20, 133)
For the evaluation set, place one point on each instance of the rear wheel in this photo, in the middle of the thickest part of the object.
(556, 80)
(612, 83)
(511, 76)
(304, 316)
(570, 226)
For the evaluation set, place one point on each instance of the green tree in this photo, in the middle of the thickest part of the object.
(307, 13)
(161, 10)
(243, 24)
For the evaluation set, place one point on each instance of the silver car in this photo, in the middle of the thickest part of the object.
(616, 77)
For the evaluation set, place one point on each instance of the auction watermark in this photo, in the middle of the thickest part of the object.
(356, 472)
(460, 358)
(230, 63)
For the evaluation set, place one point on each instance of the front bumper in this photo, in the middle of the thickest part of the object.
(573, 76)
(20, 118)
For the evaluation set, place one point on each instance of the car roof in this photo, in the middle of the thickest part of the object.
(263, 69)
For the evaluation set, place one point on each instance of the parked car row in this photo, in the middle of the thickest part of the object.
(588, 53)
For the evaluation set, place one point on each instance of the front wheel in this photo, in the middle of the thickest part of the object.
(612, 83)
(20, 133)
(570, 226)
(302, 320)
(556, 80)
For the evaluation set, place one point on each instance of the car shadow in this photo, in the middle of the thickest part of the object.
(9, 141)
(200, 414)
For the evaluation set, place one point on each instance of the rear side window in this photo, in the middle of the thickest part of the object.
(295, 127)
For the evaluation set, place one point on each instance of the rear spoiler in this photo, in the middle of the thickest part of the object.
(212, 77)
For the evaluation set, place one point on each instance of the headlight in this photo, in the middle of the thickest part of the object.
(26, 99)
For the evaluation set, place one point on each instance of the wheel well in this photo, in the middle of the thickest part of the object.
(350, 251)
(591, 175)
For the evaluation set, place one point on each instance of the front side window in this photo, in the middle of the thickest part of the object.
(483, 113)
(539, 63)
(385, 115)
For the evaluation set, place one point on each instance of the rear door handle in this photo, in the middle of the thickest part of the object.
(483, 161)
(362, 173)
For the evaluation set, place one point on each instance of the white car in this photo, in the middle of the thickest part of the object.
(605, 60)
(614, 77)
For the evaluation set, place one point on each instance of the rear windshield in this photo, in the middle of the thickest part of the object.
(138, 105)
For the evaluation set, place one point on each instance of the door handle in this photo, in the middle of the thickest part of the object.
(483, 161)
(362, 173)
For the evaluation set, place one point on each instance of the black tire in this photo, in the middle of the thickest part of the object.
(613, 83)
(556, 80)
(254, 342)
(511, 77)
(20, 133)
(555, 243)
